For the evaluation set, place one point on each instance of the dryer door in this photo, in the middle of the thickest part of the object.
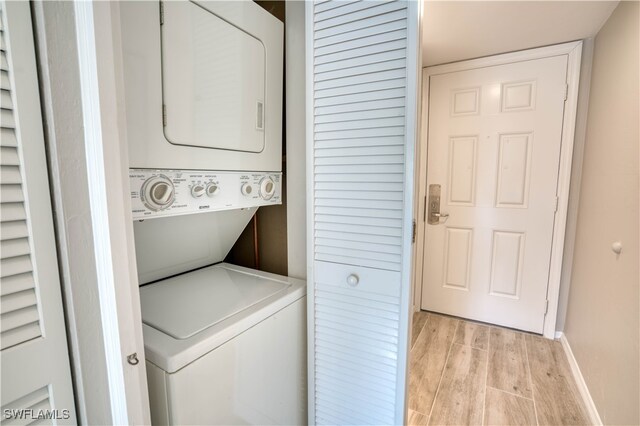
(213, 81)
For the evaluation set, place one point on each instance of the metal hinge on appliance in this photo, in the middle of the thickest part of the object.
(164, 115)
(413, 232)
(161, 13)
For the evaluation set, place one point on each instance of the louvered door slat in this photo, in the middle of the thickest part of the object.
(374, 9)
(342, 98)
(345, 9)
(15, 266)
(11, 193)
(12, 211)
(11, 230)
(15, 319)
(9, 156)
(8, 138)
(15, 301)
(359, 25)
(361, 114)
(18, 300)
(17, 282)
(359, 61)
(374, 390)
(332, 361)
(372, 40)
(5, 97)
(4, 81)
(14, 247)
(6, 119)
(354, 107)
(361, 82)
(365, 32)
(328, 4)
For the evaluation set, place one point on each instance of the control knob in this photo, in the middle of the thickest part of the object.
(267, 188)
(157, 192)
(197, 191)
(246, 189)
(212, 189)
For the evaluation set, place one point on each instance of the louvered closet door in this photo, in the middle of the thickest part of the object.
(362, 67)
(34, 361)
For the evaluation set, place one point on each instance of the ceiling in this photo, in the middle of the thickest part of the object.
(458, 30)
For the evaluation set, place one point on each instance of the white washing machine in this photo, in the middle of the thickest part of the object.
(225, 345)
(203, 96)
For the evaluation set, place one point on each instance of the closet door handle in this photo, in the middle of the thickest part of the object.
(353, 280)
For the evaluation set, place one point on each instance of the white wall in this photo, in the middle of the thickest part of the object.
(296, 134)
(603, 315)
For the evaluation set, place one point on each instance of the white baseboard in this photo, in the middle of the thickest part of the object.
(592, 411)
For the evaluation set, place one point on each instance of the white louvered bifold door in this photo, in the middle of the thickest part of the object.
(34, 363)
(362, 85)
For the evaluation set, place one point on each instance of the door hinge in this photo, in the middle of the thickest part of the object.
(161, 13)
(164, 115)
(413, 232)
(557, 202)
(546, 307)
(566, 91)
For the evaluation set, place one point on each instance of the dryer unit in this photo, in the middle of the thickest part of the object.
(203, 85)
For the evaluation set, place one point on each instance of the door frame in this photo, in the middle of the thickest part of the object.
(573, 50)
(84, 123)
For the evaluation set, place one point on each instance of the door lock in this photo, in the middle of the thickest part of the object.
(433, 206)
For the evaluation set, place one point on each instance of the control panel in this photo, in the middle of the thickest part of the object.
(158, 193)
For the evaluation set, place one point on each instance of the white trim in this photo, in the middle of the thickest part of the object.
(592, 411)
(99, 208)
(573, 50)
(311, 286)
(564, 185)
(422, 192)
(412, 107)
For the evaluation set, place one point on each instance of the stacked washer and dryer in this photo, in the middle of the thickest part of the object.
(203, 87)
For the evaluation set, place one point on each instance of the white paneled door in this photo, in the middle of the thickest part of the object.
(494, 140)
(34, 363)
(362, 85)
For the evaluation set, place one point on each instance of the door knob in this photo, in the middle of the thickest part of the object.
(353, 280)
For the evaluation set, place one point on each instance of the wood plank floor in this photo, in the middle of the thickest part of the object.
(464, 373)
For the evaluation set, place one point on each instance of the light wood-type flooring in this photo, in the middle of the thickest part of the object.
(465, 373)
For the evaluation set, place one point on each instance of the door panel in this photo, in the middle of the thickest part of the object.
(494, 147)
(362, 82)
(33, 357)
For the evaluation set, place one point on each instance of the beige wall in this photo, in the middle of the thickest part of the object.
(603, 315)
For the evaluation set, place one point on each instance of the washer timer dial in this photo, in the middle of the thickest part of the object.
(158, 192)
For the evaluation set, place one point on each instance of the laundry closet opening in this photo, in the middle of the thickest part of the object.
(223, 324)
(263, 243)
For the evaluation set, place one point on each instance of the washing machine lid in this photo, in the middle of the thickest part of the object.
(187, 304)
